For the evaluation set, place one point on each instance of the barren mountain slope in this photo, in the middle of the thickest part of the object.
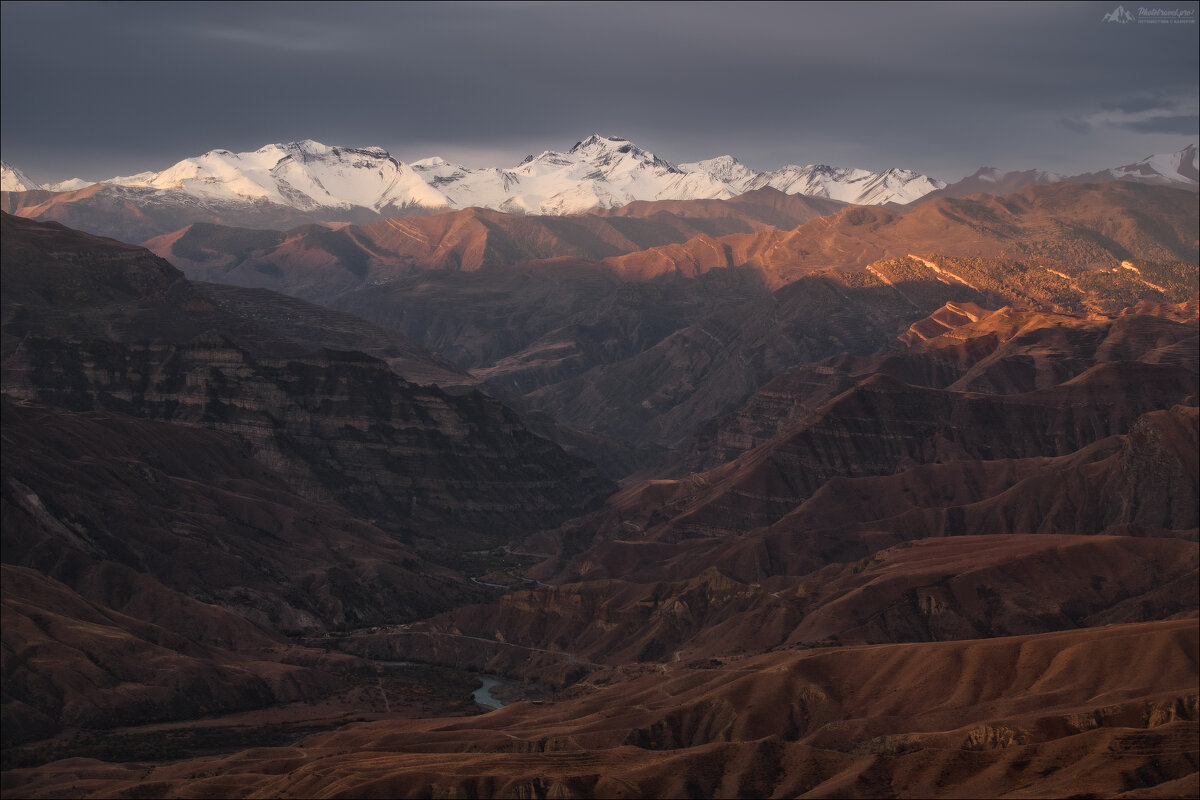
(1100, 711)
(91, 324)
(1077, 225)
(711, 367)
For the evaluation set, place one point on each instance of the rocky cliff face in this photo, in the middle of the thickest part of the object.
(709, 368)
(78, 312)
(334, 426)
(190, 472)
(94, 498)
(960, 347)
(1070, 427)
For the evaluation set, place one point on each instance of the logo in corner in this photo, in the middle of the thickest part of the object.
(1118, 14)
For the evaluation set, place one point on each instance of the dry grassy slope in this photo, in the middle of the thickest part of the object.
(1100, 711)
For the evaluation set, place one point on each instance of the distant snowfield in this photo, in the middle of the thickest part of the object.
(598, 172)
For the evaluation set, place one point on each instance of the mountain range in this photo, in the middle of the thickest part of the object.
(235, 564)
(753, 492)
(598, 172)
(1177, 169)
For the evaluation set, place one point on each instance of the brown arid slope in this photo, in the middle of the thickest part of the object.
(935, 589)
(71, 662)
(312, 327)
(961, 347)
(318, 262)
(1073, 224)
(760, 208)
(958, 560)
(882, 425)
(1093, 445)
(171, 460)
(151, 570)
(532, 330)
(1141, 484)
(711, 367)
(66, 283)
(1097, 712)
(780, 235)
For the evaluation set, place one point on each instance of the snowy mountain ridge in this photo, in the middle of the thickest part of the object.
(598, 172)
(304, 175)
(13, 180)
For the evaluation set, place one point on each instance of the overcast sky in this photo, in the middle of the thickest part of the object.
(95, 90)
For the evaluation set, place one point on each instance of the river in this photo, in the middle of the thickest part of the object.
(483, 695)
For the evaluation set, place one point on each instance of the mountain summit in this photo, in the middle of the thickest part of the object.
(13, 180)
(1177, 169)
(598, 172)
(304, 175)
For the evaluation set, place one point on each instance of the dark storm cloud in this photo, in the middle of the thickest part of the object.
(1081, 126)
(97, 89)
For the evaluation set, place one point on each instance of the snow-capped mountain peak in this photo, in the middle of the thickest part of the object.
(429, 163)
(305, 175)
(13, 180)
(1179, 168)
(597, 145)
(726, 169)
(849, 185)
(604, 153)
(597, 172)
